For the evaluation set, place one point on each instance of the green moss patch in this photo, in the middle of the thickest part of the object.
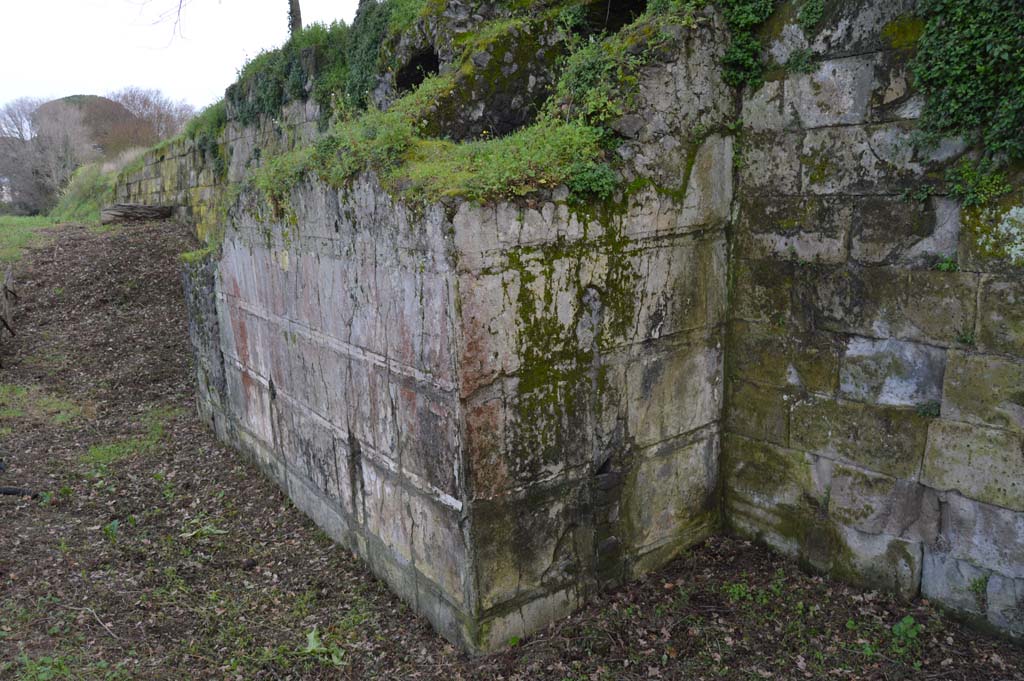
(29, 403)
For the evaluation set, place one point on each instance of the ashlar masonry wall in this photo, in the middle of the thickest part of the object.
(501, 408)
(874, 420)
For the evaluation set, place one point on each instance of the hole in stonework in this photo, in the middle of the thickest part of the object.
(612, 15)
(422, 64)
(604, 468)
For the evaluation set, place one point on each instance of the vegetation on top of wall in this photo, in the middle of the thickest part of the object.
(568, 145)
(206, 130)
(968, 66)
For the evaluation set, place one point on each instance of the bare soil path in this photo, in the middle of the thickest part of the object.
(155, 553)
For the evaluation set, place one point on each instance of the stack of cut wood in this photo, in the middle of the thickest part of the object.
(131, 212)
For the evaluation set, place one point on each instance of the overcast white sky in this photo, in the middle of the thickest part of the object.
(55, 48)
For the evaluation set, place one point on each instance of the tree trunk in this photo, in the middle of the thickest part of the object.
(127, 212)
(7, 298)
(294, 17)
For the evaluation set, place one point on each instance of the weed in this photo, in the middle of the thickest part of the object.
(965, 336)
(111, 528)
(738, 591)
(801, 61)
(947, 263)
(929, 409)
(88, 191)
(315, 647)
(905, 635)
(976, 184)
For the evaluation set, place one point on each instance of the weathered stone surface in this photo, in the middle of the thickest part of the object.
(891, 372)
(672, 489)
(895, 231)
(758, 412)
(879, 561)
(889, 440)
(838, 92)
(988, 536)
(983, 463)
(1001, 316)
(858, 160)
(1005, 597)
(774, 356)
(673, 394)
(806, 230)
(883, 302)
(955, 583)
(878, 504)
(984, 389)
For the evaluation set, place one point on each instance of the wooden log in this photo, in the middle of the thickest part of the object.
(7, 298)
(131, 212)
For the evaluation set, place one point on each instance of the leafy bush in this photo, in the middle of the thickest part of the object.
(968, 65)
(742, 61)
(206, 131)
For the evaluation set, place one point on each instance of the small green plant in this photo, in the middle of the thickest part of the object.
(810, 14)
(801, 61)
(976, 185)
(738, 591)
(905, 634)
(929, 409)
(947, 263)
(979, 587)
(315, 647)
(965, 336)
(111, 528)
(920, 193)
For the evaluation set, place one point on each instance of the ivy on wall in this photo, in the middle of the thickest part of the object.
(970, 67)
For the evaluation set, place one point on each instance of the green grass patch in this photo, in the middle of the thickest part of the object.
(106, 454)
(21, 402)
(18, 233)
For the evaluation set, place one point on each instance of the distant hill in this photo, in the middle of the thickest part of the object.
(113, 128)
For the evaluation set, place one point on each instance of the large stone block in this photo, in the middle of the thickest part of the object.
(986, 535)
(668, 491)
(774, 356)
(1005, 597)
(802, 229)
(758, 412)
(983, 463)
(1001, 316)
(878, 504)
(888, 440)
(877, 159)
(771, 164)
(984, 389)
(891, 372)
(893, 231)
(838, 92)
(956, 584)
(672, 394)
(884, 302)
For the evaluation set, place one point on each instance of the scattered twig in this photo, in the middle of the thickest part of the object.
(95, 616)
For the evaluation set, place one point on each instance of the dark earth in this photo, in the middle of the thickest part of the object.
(153, 552)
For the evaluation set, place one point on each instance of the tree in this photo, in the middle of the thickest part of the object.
(40, 147)
(162, 116)
(294, 17)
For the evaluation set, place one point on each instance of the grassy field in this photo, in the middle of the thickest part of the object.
(18, 233)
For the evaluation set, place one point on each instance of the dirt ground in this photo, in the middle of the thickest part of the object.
(153, 552)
